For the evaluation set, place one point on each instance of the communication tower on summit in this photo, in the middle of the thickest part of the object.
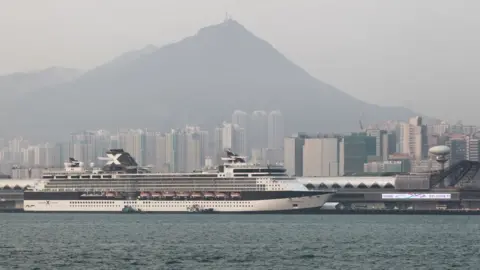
(227, 17)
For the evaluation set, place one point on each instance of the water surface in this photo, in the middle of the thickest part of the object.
(200, 241)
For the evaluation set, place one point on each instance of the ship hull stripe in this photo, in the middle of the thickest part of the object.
(296, 204)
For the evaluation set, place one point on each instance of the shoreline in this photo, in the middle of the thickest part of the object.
(315, 212)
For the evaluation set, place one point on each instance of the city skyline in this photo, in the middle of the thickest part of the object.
(383, 148)
(176, 150)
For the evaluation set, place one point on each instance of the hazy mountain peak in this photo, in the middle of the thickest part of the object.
(226, 26)
(229, 31)
(201, 79)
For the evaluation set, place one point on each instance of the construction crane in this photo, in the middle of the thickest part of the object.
(360, 122)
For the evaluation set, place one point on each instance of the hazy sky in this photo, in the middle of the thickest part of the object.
(420, 54)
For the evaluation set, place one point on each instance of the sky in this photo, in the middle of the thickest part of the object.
(423, 55)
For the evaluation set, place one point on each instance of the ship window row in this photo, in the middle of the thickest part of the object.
(266, 170)
(151, 182)
(151, 187)
(92, 202)
(93, 205)
(178, 181)
(148, 186)
(103, 189)
(165, 176)
(153, 202)
(201, 205)
(187, 204)
(162, 204)
(177, 202)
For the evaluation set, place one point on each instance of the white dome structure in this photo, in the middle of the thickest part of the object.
(439, 150)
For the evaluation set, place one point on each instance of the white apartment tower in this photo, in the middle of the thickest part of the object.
(413, 138)
(82, 146)
(133, 142)
(276, 131)
(229, 136)
(160, 153)
(185, 150)
(258, 130)
(241, 119)
(473, 148)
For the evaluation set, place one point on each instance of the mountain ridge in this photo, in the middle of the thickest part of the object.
(200, 79)
(19, 83)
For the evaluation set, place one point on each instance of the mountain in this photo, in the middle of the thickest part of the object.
(201, 79)
(17, 84)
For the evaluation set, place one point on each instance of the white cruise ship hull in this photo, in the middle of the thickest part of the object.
(314, 201)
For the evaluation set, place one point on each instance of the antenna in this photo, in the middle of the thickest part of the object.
(227, 17)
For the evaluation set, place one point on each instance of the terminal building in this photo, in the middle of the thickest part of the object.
(457, 187)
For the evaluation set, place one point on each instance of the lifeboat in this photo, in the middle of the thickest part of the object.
(169, 194)
(183, 194)
(208, 195)
(109, 194)
(220, 195)
(156, 195)
(144, 195)
(195, 195)
(235, 195)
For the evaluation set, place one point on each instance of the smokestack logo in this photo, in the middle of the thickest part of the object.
(113, 159)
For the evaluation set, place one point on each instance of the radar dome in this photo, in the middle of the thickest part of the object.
(439, 150)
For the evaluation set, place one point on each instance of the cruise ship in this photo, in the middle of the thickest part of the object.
(234, 187)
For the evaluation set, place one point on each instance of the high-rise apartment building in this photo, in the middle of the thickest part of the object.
(258, 130)
(161, 153)
(185, 150)
(293, 154)
(230, 136)
(389, 145)
(321, 157)
(60, 154)
(218, 150)
(241, 119)
(197, 148)
(276, 130)
(458, 149)
(175, 150)
(438, 129)
(381, 142)
(83, 146)
(473, 148)
(133, 142)
(102, 144)
(150, 148)
(413, 138)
